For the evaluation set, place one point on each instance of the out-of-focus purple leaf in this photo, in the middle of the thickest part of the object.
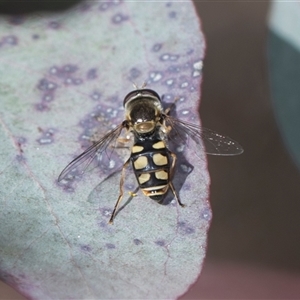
(63, 80)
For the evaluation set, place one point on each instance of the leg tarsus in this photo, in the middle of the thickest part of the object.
(174, 158)
(175, 194)
(111, 220)
(171, 106)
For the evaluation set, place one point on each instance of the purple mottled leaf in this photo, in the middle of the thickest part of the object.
(63, 80)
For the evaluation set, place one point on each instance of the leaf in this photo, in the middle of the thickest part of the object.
(63, 79)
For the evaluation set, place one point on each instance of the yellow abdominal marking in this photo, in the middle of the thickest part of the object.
(144, 178)
(132, 194)
(141, 162)
(159, 145)
(160, 160)
(136, 149)
(156, 190)
(163, 175)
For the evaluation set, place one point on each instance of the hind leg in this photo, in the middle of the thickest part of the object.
(174, 157)
(111, 220)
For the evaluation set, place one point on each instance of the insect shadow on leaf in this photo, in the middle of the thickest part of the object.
(177, 138)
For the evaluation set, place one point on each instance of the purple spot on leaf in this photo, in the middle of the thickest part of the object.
(160, 243)
(119, 18)
(189, 230)
(174, 57)
(77, 81)
(104, 6)
(54, 70)
(67, 188)
(92, 74)
(110, 246)
(174, 69)
(47, 136)
(117, 2)
(137, 242)
(20, 158)
(69, 69)
(101, 115)
(66, 182)
(107, 162)
(64, 72)
(16, 20)
(44, 141)
(185, 229)
(86, 248)
(96, 95)
(48, 97)
(184, 82)
(45, 84)
(9, 40)
(134, 73)
(169, 57)
(186, 66)
(42, 107)
(129, 186)
(84, 6)
(206, 214)
(156, 47)
(172, 14)
(186, 187)
(69, 81)
(102, 224)
(105, 212)
(21, 141)
(109, 4)
(54, 25)
(87, 123)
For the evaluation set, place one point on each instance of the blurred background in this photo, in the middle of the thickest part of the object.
(254, 240)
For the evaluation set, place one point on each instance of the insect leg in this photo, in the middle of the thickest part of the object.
(171, 106)
(111, 220)
(174, 157)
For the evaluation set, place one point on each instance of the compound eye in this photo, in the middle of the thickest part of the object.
(142, 93)
(149, 93)
(130, 95)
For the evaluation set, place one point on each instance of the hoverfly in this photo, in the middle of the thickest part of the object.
(152, 161)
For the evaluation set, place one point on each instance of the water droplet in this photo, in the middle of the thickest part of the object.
(155, 76)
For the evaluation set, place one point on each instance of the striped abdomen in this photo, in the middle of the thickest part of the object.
(151, 164)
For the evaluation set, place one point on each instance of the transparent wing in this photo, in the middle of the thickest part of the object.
(81, 162)
(215, 143)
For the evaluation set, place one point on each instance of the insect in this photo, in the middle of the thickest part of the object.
(152, 161)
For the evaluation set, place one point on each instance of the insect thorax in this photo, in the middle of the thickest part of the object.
(143, 114)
